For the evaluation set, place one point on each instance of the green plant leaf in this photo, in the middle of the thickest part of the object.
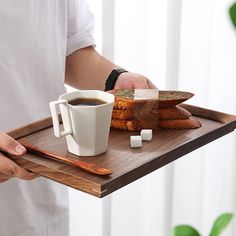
(184, 230)
(221, 223)
(232, 13)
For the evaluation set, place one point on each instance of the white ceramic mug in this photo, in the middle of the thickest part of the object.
(86, 127)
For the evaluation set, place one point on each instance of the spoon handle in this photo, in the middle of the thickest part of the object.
(90, 167)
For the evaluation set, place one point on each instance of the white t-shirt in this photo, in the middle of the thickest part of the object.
(35, 38)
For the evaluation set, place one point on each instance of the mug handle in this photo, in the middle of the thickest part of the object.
(67, 127)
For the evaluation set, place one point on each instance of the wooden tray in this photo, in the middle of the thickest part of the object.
(127, 164)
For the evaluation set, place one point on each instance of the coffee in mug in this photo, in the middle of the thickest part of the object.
(86, 102)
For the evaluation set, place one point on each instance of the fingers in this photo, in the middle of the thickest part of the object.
(144, 84)
(124, 82)
(133, 81)
(10, 145)
(10, 169)
(151, 85)
(141, 84)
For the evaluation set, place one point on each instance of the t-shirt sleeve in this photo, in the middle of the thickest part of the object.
(80, 26)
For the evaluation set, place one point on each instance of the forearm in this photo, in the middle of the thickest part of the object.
(86, 69)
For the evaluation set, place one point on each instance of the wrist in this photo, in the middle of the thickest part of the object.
(112, 78)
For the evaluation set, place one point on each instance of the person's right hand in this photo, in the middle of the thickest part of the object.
(9, 168)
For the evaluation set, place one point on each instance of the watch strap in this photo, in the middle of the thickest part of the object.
(112, 78)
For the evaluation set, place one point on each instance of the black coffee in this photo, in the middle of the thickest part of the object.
(86, 102)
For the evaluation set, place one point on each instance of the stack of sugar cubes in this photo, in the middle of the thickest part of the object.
(136, 140)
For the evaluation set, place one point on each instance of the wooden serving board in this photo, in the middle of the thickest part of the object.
(127, 164)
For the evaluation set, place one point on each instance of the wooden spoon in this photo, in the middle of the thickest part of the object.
(90, 167)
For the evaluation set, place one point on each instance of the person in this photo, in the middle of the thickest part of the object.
(43, 44)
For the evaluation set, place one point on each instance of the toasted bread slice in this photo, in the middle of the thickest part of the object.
(130, 125)
(173, 113)
(129, 99)
(190, 123)
(127, 114)
(171, 98)
(133, 98)
(134, 125)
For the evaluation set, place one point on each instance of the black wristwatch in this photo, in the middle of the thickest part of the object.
(112, 78)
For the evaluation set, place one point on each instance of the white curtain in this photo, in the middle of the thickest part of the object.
(178, 44)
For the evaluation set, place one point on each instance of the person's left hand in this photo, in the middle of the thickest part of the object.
(130, 80)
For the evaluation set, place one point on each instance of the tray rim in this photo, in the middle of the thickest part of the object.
(108, 187)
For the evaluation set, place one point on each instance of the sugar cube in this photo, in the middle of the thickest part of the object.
(146, 134)
(135, 141)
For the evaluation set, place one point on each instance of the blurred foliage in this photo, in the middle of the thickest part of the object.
(232, 13)
(184, 230)
(218, 227)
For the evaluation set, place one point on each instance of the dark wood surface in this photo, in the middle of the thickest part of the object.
(127, 164)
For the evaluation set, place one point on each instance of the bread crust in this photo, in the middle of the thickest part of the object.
(124, 98)
(134, 125)
(130, 125)
(173, 113)
(190, 123)
(127, 114)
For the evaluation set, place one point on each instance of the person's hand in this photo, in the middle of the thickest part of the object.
(130, 80)
(9, 168)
